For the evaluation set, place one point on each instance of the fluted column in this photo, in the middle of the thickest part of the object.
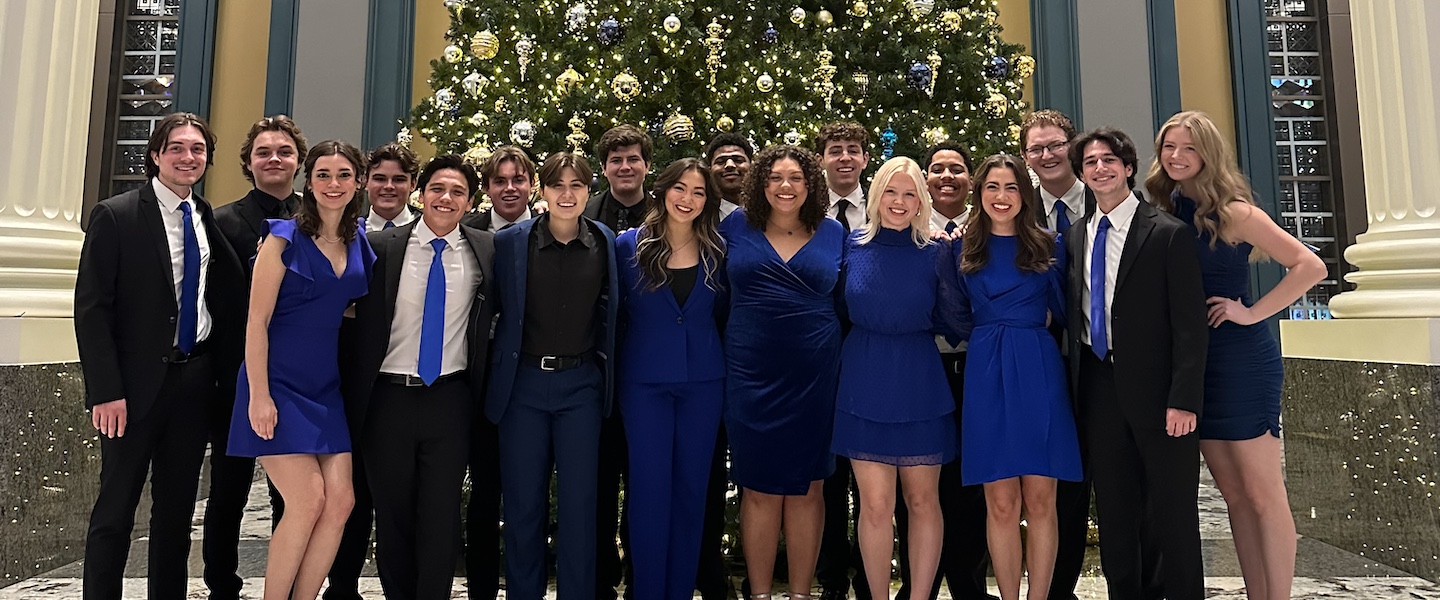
(1397, 66)
(47, 61)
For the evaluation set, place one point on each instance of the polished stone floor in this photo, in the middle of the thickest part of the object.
(1322, 571)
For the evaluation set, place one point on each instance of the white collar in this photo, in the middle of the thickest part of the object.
(856, 197)
(167, 198)
(497, 221)
(1074, 199)
(425, 235)
(1121, 216)
(377, 222)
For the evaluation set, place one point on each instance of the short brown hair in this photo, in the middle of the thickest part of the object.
(1047, 118)
(557, 163)
(841, 131)
(620, 137)
(279, 123)
(500, 156)
(396, 152)
(161, 136)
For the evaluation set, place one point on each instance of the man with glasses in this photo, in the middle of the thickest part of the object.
(1045, 135)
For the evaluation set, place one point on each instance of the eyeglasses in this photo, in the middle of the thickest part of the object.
(1055, 149)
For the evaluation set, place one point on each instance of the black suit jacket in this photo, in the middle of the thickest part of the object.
(368, 337)
(1157, 318)
(243, 223)
(125, 306)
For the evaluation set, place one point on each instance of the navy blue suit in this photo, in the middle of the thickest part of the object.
(672, 390)
(545, 419)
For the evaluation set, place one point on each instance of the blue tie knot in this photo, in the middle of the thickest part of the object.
(1062, 216)
(439, 245)
(1104, 223)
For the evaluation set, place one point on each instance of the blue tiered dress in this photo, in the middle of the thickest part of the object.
(303, 364)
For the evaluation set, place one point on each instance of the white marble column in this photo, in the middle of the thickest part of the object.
(47, 61)
(1397, 67)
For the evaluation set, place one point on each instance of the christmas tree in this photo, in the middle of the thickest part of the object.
(552, 75)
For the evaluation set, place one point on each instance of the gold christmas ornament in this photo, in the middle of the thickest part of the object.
(716, 45)
(725, 123)
(824, 18)
(1025, 66)
(860, 9)
(996, 105)
(568, 80)
(934, 62)
(453, 54)
(797, 16)
(935, 135)
(826, 74)
(679, 128)
(485, 45)
(862, 81)
(524, 48)
(501, 105)
(765, 83)
(625, 86)
(577, 138)
(476, 155)
(1014, 132)
(951, 21)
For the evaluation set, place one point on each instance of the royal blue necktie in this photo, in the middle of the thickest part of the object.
(189, 284)
(950, 227)
(388, 224)
(1098, 342)
(432, 323)
(1062, 217)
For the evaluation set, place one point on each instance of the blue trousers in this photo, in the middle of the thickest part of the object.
(671, 429)
(553, 421)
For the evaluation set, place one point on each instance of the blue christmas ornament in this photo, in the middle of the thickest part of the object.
(997, 67)
(888, 137)
(919, 76)
(770, 35)
(610, 31)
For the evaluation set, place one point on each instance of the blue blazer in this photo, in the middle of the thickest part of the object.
(512, 259)
(664, 342)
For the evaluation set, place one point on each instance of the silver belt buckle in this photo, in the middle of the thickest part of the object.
(547, 363)
(414, 381)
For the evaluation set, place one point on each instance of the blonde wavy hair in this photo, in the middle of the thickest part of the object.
(899, 166)
(1218, 183)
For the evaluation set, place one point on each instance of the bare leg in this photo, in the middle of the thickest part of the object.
(804, 521)
(1042, 533)
(325, 537)
(877, 523)
(1249, 476)
(927, 525)
(299, 479)
(1002, 531)
(760, 515)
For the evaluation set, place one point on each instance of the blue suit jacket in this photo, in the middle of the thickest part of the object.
(512, 260)
(663, 342)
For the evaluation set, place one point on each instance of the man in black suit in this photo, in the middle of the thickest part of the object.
(272, 154)
(156, 298)
(1137, 357)
(417, 376)
(624, 153)
(389, 179)
(506, 177)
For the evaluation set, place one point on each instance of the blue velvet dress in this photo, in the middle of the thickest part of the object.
(894, 404)
(1243, 368)
(303, 364)
(1018, 418)
(782, 349)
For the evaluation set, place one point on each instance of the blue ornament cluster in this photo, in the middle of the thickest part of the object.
(610, 32)
(919, 76)
(997, 68)
(771, 35)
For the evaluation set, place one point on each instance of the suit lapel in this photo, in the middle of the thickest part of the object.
(250, 211)
(520, 263)
(472, 234)
(395, 247)
(159, 238)
(1140, 227)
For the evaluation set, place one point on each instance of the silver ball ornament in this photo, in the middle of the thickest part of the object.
(523, 133)
(672, 24)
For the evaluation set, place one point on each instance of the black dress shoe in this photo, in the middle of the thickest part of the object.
(834, 593)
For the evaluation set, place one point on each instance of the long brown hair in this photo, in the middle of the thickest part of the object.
(817, 198)
(1037, 246)
(652, 249)
(308, 217)
(1218, 183)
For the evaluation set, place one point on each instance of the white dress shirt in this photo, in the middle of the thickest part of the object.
(171, 215)
(854, 213)
(498, 222)
(1074, 200)
(727, 207)
(376, 222)
(938, 223)
(1120, 220)
(462, 277)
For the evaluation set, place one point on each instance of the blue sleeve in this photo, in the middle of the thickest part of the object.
(367, 253)
(294, 260)
(952, 313)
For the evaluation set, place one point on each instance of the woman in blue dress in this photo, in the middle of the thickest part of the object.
(782, 349)
(1020, 434)
(288, 408)
(1195, 178)
(893, 410)
(671, 373)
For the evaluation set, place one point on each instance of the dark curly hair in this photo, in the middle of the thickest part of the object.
(817, 198)
(307, 219)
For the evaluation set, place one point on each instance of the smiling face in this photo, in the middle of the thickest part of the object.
(625, 169)
(182, 160)
(389, 188)
(685, 200)
(948, 181)
(1000, 197)
(274, 160)
(1047, 152)
(509, 190)
(566, 195)
(334, 182)
(447, 199)
(728, 167)
(1103, 171)
(785, 187)
(843, 160)
(1178, 155)
(899, 202)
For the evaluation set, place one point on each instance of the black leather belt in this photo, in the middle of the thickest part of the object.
(416, 381)
(176, 357)
(554, 363)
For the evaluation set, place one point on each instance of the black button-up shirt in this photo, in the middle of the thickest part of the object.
(563, 286)
(275, 208)
(619, 217)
